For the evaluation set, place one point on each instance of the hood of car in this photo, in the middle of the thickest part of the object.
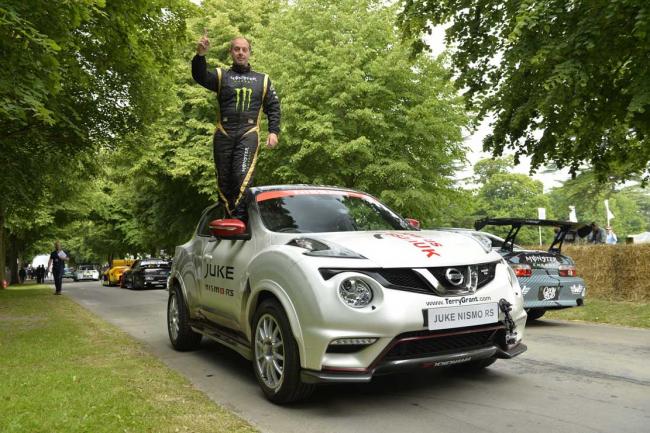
(412, 249)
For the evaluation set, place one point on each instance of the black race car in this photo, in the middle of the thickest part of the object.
(147, 273)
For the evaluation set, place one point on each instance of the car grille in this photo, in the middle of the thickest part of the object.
(484, 274)
(422, 344)
(405, 279)
(409, 280)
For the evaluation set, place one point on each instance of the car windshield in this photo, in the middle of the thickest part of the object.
(316, 211)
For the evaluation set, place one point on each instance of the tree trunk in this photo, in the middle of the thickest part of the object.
(3, 249)
(13, 258)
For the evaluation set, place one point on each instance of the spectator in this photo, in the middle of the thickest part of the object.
(57, 260)
(611, 236)
(22, 274)
(40, 274)
(597, 235)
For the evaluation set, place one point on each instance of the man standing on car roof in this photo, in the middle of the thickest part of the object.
(242, 94)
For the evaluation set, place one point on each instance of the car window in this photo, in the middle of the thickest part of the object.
(155, 264)
(327, 211)
(216, 212)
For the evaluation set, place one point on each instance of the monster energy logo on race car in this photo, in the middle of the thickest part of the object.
(244, 95)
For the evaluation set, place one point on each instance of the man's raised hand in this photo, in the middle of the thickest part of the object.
(203, 45)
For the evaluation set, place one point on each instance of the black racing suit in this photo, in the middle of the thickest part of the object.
(242, 94)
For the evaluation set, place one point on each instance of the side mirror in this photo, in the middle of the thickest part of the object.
(413, 223)
(227, 228)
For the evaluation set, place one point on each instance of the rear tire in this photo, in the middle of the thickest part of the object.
(534, 314)
(276, 359)
(178, 323)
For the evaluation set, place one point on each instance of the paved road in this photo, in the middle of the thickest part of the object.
(574, 378)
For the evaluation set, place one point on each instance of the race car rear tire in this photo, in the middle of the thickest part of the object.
(181, 335)
(276, 359)
(534, 313)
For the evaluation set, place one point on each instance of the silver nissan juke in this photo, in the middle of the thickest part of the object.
(327, 284)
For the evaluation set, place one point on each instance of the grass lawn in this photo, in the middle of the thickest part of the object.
(602, 311)
(64, 370)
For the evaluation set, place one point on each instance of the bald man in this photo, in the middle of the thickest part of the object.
(243, 95)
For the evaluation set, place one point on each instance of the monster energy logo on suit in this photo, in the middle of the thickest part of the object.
(244, 95)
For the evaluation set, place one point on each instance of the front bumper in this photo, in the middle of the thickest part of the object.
(386, 364)
(158, 283)
(392, 316)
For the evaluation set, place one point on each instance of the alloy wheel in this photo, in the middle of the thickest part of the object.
(269, 351)
(172, 315)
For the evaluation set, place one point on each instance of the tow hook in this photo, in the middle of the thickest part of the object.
(511, 334)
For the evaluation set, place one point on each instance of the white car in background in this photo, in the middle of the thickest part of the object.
(86, 272)
(329, 285)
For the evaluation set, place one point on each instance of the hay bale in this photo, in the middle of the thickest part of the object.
(613, 272)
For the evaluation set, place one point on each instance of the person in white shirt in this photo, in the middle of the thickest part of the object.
(611, 236)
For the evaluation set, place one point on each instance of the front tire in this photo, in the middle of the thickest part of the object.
(276, 360)
(178, 323)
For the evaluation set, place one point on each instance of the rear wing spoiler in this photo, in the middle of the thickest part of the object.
(581, 229)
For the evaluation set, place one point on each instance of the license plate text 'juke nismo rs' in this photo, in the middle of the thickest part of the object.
(462, 316)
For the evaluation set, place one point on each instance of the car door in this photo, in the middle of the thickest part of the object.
(224, 278)
(138, 276)
(130, 282)
(194, 284)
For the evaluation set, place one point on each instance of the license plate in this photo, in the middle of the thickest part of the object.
(462, 316)
(548, 293)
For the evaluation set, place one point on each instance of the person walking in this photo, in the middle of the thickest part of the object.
(243, 95)
(57, 263)
(22, 274)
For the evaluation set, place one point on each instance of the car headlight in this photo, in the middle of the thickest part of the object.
(355, 292)
(321, 248)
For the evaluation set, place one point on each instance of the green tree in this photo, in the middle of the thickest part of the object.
(357, 112)
(76, 76)
(504, 194)
(567, 80)
(488, 167)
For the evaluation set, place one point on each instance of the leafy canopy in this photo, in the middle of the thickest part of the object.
(566, 79)
(357, 111)
(77, 77)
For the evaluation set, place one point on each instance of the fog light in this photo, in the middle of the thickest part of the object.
(353, 341)
(355, 292)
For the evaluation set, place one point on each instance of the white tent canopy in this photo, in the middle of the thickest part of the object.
(641, 238)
